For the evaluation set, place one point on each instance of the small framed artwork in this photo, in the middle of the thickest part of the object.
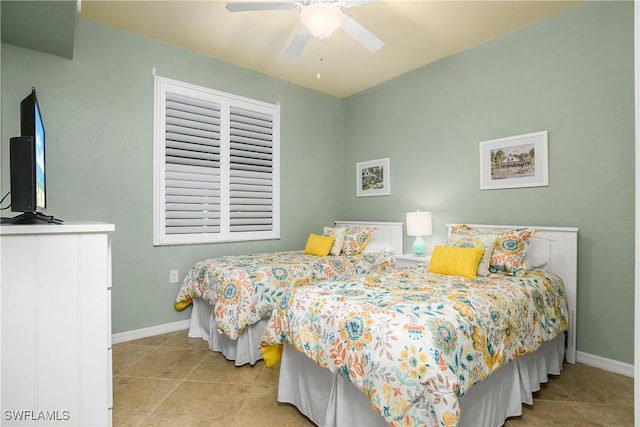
(373, 178)
(515, 161)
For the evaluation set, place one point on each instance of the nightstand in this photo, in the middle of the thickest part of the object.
(407, 260)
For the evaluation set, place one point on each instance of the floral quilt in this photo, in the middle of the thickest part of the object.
(414, 341)
(245, 288)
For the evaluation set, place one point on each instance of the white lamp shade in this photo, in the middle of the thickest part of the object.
(419, 224)
(321, 19)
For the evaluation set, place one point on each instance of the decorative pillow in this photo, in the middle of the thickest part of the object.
(318, 245)
(338, 234)
(509, 253)
(455, 261)
(467, 238)
(355, 239)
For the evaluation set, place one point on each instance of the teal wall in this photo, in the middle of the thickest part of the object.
(98, 113)
(571, 75)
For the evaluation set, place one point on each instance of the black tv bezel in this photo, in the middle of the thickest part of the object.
(23, 167)
(29, 109)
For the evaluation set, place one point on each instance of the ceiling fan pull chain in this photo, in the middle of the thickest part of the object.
(320, 66)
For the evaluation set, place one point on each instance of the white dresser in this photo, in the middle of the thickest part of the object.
(56, 324)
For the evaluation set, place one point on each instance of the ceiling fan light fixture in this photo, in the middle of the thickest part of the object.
(321, 19)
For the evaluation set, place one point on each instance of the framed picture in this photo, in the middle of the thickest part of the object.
(515, 161)
(373, 178)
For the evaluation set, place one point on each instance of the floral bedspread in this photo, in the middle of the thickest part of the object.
(245, 288)
(414, 341)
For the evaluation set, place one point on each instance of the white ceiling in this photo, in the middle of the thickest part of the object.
(415, 33)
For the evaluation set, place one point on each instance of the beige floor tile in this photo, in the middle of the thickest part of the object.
(125, 355)
(546, 413)
(269, 376)
(269, 413)
(167, 363)
(154, 340)
(181, 339)
(587, 384)
(551, 391)
(624, 378)
(200, 404)
(608, 415)
(135, 398)
(215, 368)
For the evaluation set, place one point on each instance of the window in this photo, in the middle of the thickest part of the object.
(216, 166)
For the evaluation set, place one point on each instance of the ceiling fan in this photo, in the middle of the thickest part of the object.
(318, 18)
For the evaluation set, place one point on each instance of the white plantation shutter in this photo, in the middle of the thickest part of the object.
(216, 166)
(251, 171)
(192, 166)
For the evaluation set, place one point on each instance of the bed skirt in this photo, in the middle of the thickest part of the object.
(330, 400)
(246, 349)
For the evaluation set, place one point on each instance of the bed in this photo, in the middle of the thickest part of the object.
(386, 341)
(233, 295)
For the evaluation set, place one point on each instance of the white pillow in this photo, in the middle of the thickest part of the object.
(338, 233)
(377, 247)
(538, 254)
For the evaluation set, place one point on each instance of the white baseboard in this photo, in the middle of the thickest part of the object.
(149, 332)
(604, 363)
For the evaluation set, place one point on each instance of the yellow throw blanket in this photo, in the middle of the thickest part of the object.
(271, 354)
(181, 305)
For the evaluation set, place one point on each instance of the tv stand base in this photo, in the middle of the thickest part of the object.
(32, 218)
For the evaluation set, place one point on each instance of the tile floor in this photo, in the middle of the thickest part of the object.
(173, 380)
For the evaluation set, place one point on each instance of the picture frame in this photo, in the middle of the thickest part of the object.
(373, 178)
(515, 161)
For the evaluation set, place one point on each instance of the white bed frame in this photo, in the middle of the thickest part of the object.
(389, 233)
(559, 245)
(330, 400)
(246, 349)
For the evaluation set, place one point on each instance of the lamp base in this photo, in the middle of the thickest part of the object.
(419, 247)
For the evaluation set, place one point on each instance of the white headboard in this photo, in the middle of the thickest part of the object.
(560, 246)
(389, 233)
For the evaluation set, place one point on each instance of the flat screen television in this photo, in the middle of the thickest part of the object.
(27, 164)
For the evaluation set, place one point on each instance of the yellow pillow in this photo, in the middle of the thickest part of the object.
(318, 245)
(455, 261)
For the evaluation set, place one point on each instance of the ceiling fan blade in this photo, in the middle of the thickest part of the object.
(299, 42)
(360, 34)
(247, 7)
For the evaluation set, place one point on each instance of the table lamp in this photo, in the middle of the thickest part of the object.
(419, 225)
